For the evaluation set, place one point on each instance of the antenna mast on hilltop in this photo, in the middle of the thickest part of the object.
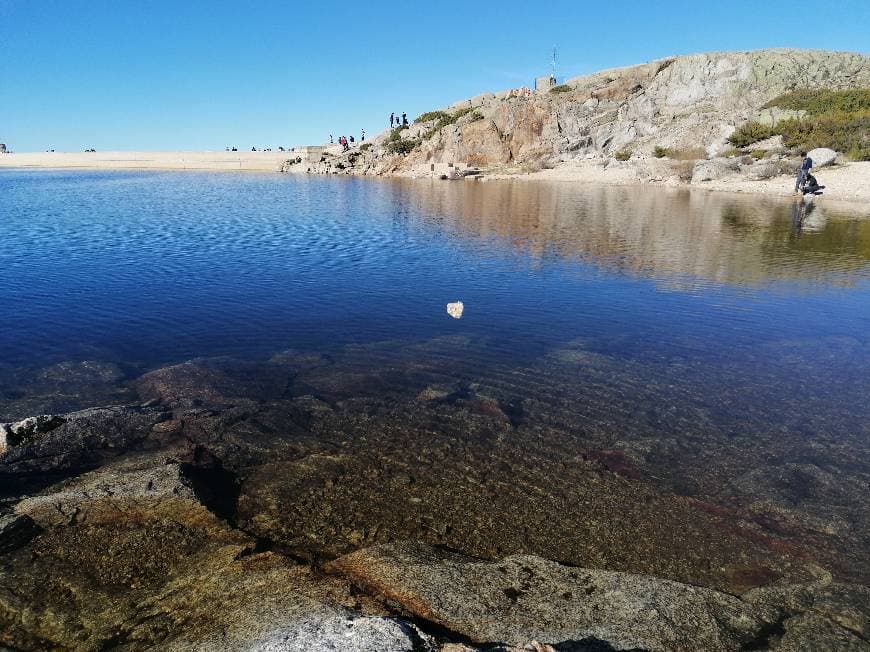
(554, 62)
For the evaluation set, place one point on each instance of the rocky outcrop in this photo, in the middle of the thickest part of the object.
(682, 103)
(522, 598)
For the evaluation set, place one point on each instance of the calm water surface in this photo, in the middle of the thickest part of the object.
(692, 332)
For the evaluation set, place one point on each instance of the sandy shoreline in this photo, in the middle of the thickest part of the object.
(847, 184)
(231, 161)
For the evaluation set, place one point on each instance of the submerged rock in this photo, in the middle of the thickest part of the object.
(62, 387)
(77, 441)
(213, 381)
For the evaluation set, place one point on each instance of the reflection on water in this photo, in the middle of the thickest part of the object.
(660, 233)
(708, 345)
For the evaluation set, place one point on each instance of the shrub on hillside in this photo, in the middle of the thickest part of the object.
(841, 132)
(445, 119)
(365, 147)
(622, 155)
(431, 115)
(750, 133)
(821, 101)
(402, 145)
(660, 152)
(561, 88)
(839, 120)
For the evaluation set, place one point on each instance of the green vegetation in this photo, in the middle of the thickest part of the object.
(622, 155)
(365, 147)
(403, 145)
(758, 153)
(660, 152)
(839, 120)
(431, 115)
(475, 116)
(731, 151)
(561, 88)
(752, 132)
(398, 145)
(445, 119)
(821, 102)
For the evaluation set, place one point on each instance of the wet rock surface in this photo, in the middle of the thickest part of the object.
(260, 505)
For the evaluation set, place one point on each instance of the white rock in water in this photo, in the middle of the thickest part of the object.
(455, 309)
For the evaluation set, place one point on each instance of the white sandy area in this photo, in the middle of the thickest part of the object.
(848, 183)
(263, 161)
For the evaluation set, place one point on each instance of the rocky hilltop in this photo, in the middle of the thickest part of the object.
(687, 104)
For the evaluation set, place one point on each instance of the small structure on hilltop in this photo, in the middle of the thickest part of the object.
(545, 83)
(2, 148)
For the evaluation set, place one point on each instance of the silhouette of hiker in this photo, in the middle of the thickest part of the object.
(363, 135)
(404, 119)
(330, 139)
(392, 119)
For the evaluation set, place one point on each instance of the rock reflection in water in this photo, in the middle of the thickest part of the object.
(662, 233)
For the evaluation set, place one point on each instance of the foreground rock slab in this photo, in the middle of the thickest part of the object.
(523, 598)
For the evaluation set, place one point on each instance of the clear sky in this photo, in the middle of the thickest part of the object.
(189, 74)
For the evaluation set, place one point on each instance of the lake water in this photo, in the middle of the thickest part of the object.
(716, 346)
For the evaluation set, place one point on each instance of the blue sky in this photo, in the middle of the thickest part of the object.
(187, 74)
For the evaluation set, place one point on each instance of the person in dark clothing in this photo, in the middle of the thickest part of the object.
(404, 119)
(351, 139)
(811, 186)
(363, 136)
(806, 166)
(392, 119)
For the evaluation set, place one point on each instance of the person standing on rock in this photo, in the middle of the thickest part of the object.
(362, 135)
(392, 119)
(404, 119)
(330, 139)
(806, 166)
